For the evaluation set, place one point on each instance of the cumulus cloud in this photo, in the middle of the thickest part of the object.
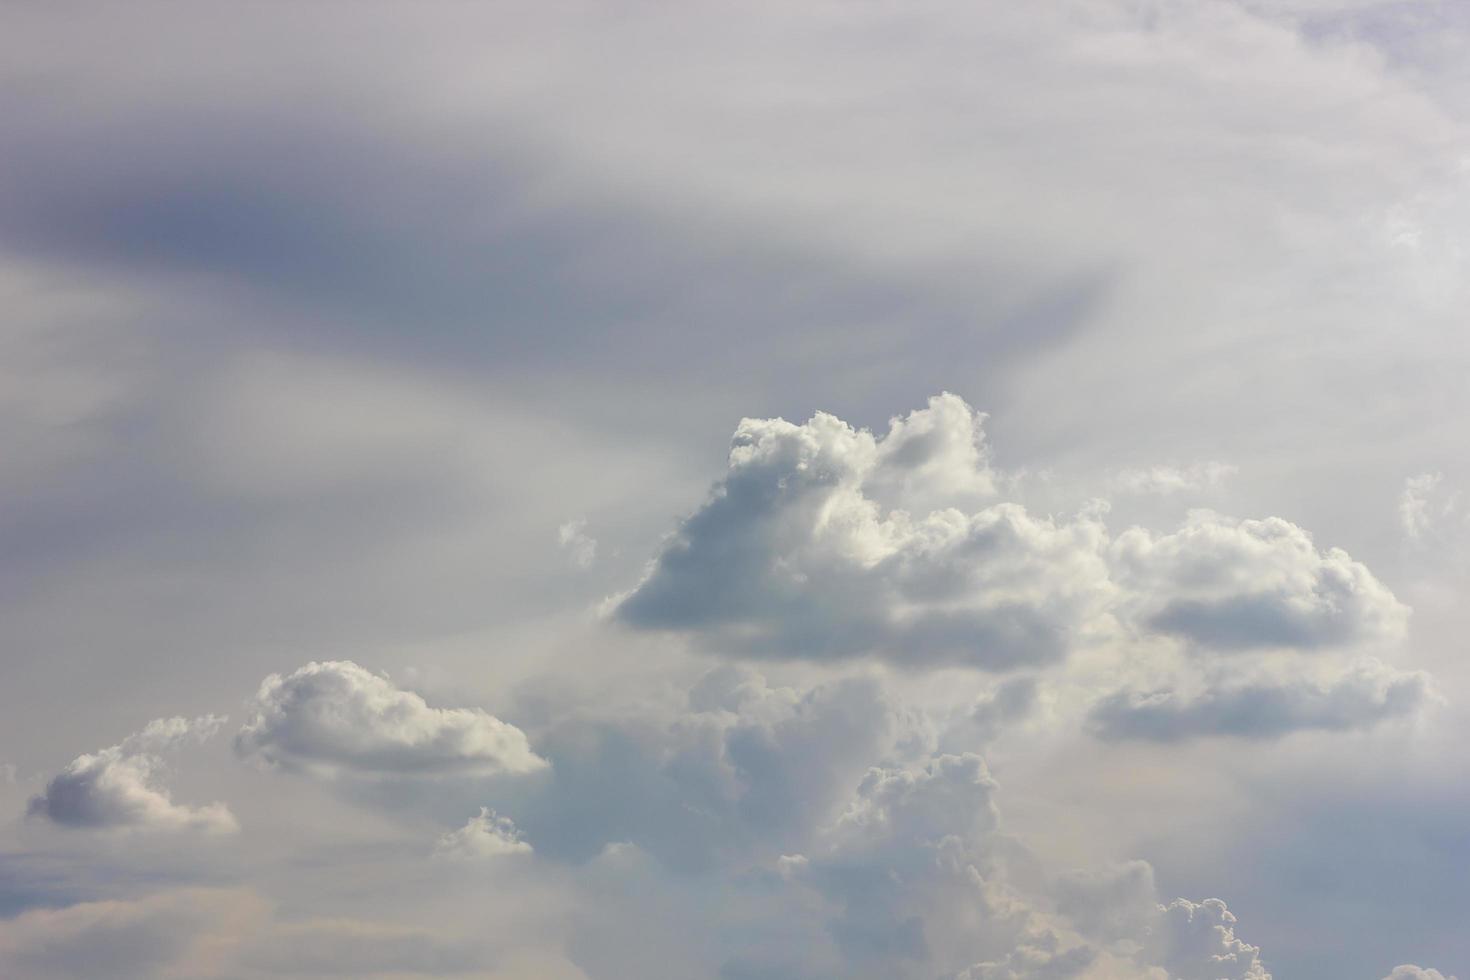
(794, 556)
(824, 541)
(580, 547)
(1199, 943)
(337, 717)
(1253, 584)
(486, 835)
(119, 787)
(1364, 696)
(1410, 972)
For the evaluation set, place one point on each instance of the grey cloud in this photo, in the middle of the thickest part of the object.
(335, 717)
(1010, 702)
(747, 767)
(130, 940)
(118, 787)
(1361, 698)
(1108, 904)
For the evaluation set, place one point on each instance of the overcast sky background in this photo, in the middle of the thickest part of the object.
(405, 572)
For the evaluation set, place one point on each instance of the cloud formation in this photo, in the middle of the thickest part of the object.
(824, 541)
(1255, 584)
(486, 835)
(793, 555)
(1360, 698)
(119, 787)
(336, 717)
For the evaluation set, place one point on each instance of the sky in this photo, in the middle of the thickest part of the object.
(735, 491)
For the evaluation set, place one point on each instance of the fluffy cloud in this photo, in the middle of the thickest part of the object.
(338, 717)
(118, 787)
(1240, 585)
(1199, 943)
(825, 541)
(486, 835)
(804, 550)
(1410, 972)
(1362, 697)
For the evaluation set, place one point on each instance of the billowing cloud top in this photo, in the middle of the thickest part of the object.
(805, 549)
(339, 717)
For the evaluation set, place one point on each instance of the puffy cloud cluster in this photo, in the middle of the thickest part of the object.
(1410, 972)
(337, 717)
(119, 787)
(824, 541)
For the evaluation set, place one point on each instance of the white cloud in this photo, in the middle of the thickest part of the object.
(580, 547)
(486, 835)
(793, 556)
(1253, 584)
(1199, 943)
(1410, 972)
(337, 717)
(118, 787)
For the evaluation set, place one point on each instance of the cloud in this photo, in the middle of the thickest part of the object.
(118, 787)
(581, 549)
(224, 933)
(1199, 943)
(1414, 503)
(793, 556)
(1010, 702)
(168, 934)
(1361, 698)
(824, 542)
(484, 836)
(741, 766)
(1253, 584)
(337, 717)
(1169, 480)
(1410, 972)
